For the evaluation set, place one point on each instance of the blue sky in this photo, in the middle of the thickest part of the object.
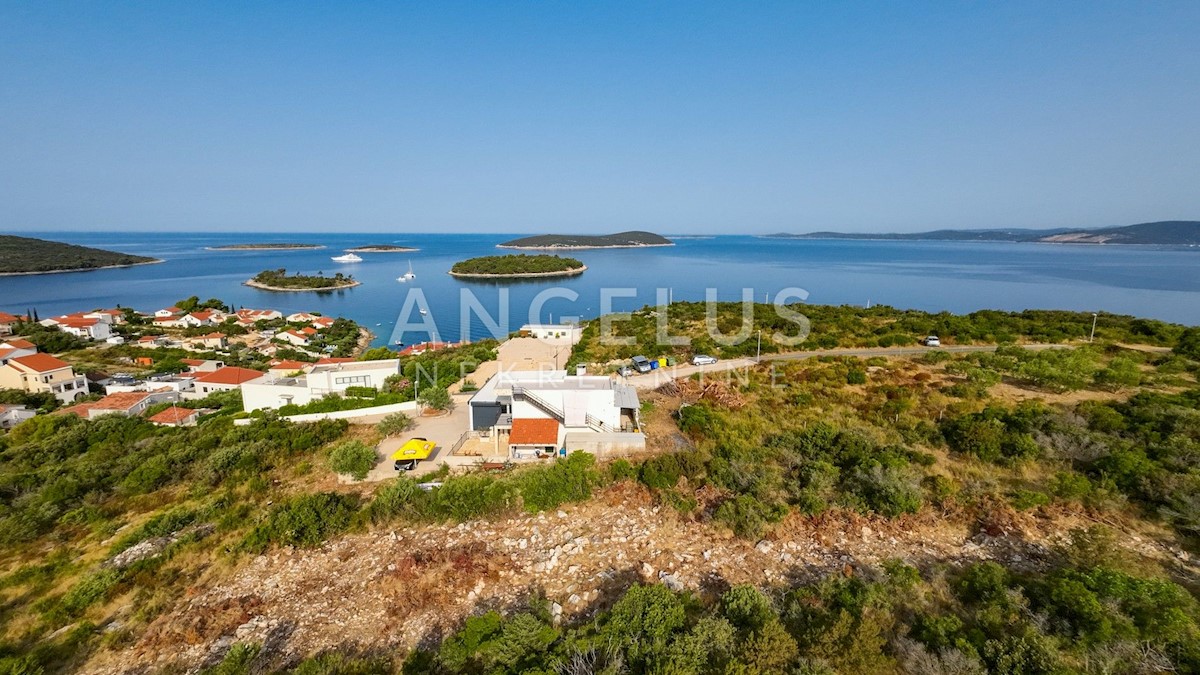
(590, 116)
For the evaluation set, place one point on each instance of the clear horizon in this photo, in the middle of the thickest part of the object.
(698, 118)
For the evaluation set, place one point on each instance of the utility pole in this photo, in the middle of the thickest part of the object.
(758, 357)
(1093, 335)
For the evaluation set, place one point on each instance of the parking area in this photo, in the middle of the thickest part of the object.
(444, 431)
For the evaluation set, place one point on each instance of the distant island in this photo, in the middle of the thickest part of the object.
(635, 239)
(266, 247)
(278, 280)
(381, 248)
(517, 266)
(1162, 233)
(26, 255)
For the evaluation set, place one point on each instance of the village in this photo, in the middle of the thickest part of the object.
(176, 366)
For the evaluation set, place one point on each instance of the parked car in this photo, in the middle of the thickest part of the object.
(624, 371)
(932, 341)
(413, 451)
(703, 360)
(641, 364)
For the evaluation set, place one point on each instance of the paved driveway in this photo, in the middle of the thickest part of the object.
(443, 431)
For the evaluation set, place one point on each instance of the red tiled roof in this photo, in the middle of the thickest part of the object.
(120, 401)
(39, 363)
(5, 317)
(289, 365)
(20, 344)
(334, 359)
(212, 336)
(172, 415)
(192, 362)
(229, 375)
(79, 410)
(76, 321)
(534, 432)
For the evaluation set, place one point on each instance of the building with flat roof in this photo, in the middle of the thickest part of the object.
(278, 389)
(536, 412)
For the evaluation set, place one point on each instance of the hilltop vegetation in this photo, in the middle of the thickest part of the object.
(280, 280)
(1162, 233)
(114, 532)
(26, 255)
(619, 240)
(835, 326)
(517, 265)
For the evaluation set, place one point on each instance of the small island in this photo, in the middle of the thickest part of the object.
(634, 239)
(278, 280)
(381, 248)
(517, 266)
(26, 255)
(266, 247)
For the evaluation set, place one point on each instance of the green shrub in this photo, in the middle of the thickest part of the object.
(747, 516)
(566, 480)
(303, 521)
(436, 398)
(856, 377)
(354, 458)
(394, 424)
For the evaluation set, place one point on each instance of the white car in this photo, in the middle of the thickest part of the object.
(932, 341)
(703, 360)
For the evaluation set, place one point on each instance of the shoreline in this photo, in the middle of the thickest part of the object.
(84, 269)
(583, 247)
(267, 247)
(519, 275)
(278, 289)
(373, 249)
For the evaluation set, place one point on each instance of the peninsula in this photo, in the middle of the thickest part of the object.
(632, 239)
(1162, 233)
(279, 280)
(517, 266)
(26, 255)
(381, 248)
(266, 247)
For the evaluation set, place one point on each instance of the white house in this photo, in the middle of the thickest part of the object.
(275, 391)
(223, 379)
(168, 312)
(81, 326)
(299, 338)
(12, 348)
(177, 383)
(567, 334)
(203, 318)
(12, 415)
(8, 323)
(535, 412)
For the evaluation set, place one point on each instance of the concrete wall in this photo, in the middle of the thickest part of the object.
(606, 446)
(407, 406)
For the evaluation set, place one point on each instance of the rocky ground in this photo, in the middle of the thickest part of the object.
(400, 587)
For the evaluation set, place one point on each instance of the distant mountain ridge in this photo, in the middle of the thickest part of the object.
(1161, 233)
(631, 239)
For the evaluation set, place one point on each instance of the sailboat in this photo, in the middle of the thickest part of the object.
(407, 276)
(348, 258)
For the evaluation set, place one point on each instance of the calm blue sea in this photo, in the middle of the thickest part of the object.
(1156, 282)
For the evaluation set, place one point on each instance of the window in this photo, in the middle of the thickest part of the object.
(356, 380)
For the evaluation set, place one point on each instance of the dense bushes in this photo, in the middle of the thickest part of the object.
(307, 520)
(984, 617)
(515, 264)
(281, 279)
(354, 458)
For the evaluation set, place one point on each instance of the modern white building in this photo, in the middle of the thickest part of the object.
(567, 334)
(278, 390)
(539, 412)
(12, 415)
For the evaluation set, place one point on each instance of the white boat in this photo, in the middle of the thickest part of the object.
(423, 312)
(348, 258)
(407, 276)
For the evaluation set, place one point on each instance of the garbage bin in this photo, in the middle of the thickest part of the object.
(654, 364)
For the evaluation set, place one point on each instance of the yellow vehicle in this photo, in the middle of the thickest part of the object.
(413, 451)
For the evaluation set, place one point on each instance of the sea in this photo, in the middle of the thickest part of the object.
(1147, 281)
